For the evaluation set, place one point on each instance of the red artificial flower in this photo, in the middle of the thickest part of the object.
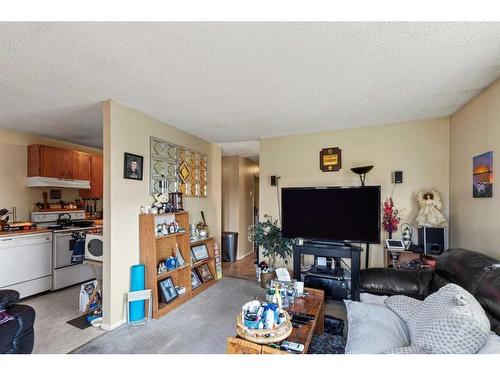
(390, 218)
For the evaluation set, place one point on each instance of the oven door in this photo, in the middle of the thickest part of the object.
(63, 249)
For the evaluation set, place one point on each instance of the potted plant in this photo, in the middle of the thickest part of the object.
(268, 235)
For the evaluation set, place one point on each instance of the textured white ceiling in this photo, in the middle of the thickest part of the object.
(238, 82)
(247, 149)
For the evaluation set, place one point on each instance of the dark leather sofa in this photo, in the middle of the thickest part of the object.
(16, 336)
(477, 273)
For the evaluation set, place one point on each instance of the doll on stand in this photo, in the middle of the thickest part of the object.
(430, 206)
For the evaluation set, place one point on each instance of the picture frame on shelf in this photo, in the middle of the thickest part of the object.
(168, 291)
(200, 252)
(204, 273)
(195, 280)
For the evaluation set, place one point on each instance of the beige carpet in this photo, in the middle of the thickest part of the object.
(199, 326)
(52, 334)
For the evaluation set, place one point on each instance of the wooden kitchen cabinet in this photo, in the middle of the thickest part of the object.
(81, 165)
(96, 179)
(46, 161)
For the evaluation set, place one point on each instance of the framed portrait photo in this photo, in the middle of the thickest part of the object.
(204, 272)
(199, 252)
(132, 166)
(168, 292)
(195, 280)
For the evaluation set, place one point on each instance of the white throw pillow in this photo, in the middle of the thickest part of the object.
(373, 329)
(492, 345)
(372, 298)
(449, 321)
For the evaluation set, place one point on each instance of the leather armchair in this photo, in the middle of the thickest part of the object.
(473, 271)
(17, 335)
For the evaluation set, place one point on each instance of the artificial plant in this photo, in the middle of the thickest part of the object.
(268, 235)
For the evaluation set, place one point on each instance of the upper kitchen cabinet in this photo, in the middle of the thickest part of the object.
(46, 161)
(96, 179)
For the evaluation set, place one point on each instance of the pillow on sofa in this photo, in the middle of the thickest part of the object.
(372, 298)
(449, 321)
(373, 329)
(492, 345)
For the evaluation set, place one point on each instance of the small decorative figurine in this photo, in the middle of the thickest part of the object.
(164, 230)
(161, 268)
(407, 235)
(193, 236)
(160, 200)
(171, 263)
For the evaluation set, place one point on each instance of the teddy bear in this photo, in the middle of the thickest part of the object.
(430, 205)
(160, 200)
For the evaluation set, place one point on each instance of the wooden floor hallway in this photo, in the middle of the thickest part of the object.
(243, 268)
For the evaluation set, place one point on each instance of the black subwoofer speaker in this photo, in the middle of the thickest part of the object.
(333, 288)
(432, 241)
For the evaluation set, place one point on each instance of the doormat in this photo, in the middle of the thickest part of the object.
(80, 322)
(332, 340)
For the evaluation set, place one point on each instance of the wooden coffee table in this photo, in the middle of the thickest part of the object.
(313, 303)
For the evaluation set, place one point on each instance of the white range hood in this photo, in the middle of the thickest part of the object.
(57, 182)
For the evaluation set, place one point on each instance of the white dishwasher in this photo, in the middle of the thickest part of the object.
(26, 263)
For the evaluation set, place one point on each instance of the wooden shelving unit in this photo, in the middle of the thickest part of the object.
(156, 249)
(209, 242)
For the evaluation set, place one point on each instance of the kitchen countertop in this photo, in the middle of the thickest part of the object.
(23, 232)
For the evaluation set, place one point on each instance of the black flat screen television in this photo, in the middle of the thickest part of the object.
(334, 214)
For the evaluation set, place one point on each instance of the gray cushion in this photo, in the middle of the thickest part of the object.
(373, 329)
(492, 345)
(372, 298)
(449, 321)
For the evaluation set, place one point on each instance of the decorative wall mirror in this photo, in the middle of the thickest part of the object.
(176, 168)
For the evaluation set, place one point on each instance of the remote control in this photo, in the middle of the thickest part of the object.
(293, 346)
(300, 319)
(303, 315)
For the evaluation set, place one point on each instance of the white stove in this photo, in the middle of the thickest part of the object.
(46, 219)
(68, 267)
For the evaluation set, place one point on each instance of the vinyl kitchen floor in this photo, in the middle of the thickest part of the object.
(52, 334)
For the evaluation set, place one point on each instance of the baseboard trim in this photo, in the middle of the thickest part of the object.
(113, 326)
(245, 255)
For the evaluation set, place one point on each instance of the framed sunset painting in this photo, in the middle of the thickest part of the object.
(482, 175)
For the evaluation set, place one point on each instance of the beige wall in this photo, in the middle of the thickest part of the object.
(230, 194)
(248, 169)
(14, 171)
(474, 129)
(420, 149)
(237, 199)
(127, 130)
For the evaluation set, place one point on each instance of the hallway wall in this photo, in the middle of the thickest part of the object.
(237, 199)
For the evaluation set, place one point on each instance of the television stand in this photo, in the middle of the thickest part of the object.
(325, 243)
(335, 251)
